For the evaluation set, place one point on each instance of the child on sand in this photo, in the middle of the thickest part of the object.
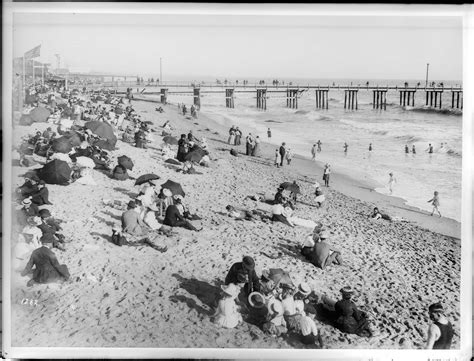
(435, 202)
(227, 314)
(276, 325)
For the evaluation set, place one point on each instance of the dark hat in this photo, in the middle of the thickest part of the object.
(248, 263)
(42, 182)
(44, 213)
(436, 307)
(132, 204)
(347, 290)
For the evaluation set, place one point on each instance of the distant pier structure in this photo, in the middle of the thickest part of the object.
(433, 95)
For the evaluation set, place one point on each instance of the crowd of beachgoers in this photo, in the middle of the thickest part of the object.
(87, 140)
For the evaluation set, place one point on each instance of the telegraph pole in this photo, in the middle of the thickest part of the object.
(161, 75)
(427, 67)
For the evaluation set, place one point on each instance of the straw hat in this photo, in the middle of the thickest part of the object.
(34, 221)
(277, 308)
(304, 289)
(309, 241)
(26, 201)
(324, 235)
(167, 192)
(231, 290)
(248, 263)
(256, 300)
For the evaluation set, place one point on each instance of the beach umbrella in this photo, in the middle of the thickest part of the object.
(125, 162)
(173, 161)
(292, 187)
(174, 187)
(146, 178)
(85, 162)
(74, 138)
(165, 134)
(103, 130)
(40, 114)
(25, 119)
(194, 156)
(170, 140)
(61, 145)
(55, 172)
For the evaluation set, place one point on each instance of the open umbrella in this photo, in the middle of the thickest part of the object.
(103, 130)
(173, 161)
(125, 162)
(145, 178)
(85, 162)
(55, 172)
(292, 187)
(170, 140)
(61, 145)
(174, 187)
(74, 138)
(193, 157)
(40, 114)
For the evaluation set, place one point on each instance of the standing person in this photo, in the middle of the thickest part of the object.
(440, 332)
(249, 144)
(184, 109)
(319, 146)
(269, 133)
(289, 156)
(238, 136)
(277, 155)
(413, 150)
(182, 148)
(313, 152)
(407, 150)
(327, 172)
(370, 147)
(391, 182)
(231, 139)
(430, 149)
(256, 147)
(435, 202)
(345, 147)
(282, 153)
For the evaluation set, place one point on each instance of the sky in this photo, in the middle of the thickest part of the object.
(240, 46)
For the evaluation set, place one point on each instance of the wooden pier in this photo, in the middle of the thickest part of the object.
(433, 95)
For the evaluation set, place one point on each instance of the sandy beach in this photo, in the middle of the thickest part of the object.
(138, 297)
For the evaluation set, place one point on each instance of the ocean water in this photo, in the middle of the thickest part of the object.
(417, 175)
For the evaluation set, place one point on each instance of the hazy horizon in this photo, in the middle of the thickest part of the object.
(247, 46)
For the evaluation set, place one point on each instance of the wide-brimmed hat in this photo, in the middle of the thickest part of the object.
(178, 197)
(436, 307)
(266, 274)
(44, 213)
(26, 201)
(248, 263)
(34, 221)
(346, 290)
(131, 204)
(309, 241)
(167, 192)
(231, 289)
(304, 289)
(277, 307)
(256, 300)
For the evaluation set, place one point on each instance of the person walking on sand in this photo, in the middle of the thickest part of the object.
(282, 153)
(370, 147)
(269, 133)
(413, 150)
(345, 147)
(327, 172)
(256, 147)
(231, 139)
(430, 149)
(238, 136)
(313, 152)
(407, 150)
(391, 182)
(435, 202)
(319, 146)
(249, 144)
(289, 156)
(440, 332)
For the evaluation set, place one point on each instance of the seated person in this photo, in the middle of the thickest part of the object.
(349, 318)
(244, 270)
(239, 213)
(279, 214)
(50, 228)
(178, 200)
(279, 198)
(309, 332)
(131, 221)
(29, 187)
(120, 173)
(377, 215)
(45, 266)
(29, 208)
(41, 196)
(320, 198)
(322, 254)
(174, 218)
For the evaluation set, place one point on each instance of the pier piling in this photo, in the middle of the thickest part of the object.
(458, 96)
(292, 98)
(197, 97)
(229, 98)
(322, 101)
(164, 96)
(262, 99)
(350, 99)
